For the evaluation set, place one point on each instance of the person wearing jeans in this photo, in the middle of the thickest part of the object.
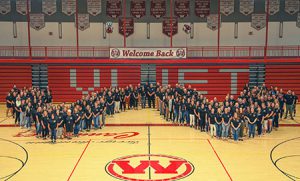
(271, 117)
(45, 122)
(22, 114)
(102, 113)
(251, 118)
(96, 115)
(202, 117)
(38, 124)
(235, 125)
(182, 111)
(110, 104)
(259, 121)
(218, 123)
(18, 111)
(295, 102)
(52, 126)
(176, 110)
(226, 118)
(143, 98)
(77, 119)
(276, 116)
(212, 122)
(88, 118)
(28, 114)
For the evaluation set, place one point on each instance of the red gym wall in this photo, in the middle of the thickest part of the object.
(59, 79)
(11, 75)
(282, 73)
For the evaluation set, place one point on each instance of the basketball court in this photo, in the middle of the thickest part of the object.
(135, 138)
(106, 53)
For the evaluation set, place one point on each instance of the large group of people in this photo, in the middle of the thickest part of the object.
(256, 111)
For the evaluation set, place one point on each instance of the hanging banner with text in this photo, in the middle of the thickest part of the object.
(170, 26)
(202, 8)
(128, 25)
(147, 53)
(182, 8)
(5, 6)
(114, 8)
(138, 8)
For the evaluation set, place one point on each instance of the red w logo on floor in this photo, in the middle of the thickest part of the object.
(149, 167)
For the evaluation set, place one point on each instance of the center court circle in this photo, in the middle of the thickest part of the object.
(146, 167)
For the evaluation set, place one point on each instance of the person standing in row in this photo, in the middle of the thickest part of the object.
(235, 125)
(251, 118)
(77, 118)
(117, 97)
(88, 118)
(218, 123)
(38, 123)
(60, 124)
(226, 118)
(212, 123)
(9, 104)
(28, 116)
(259, 121)
(289, 102)
(295, 102)
(45, 122)
(122, 100)
(69, 124)
(176, 107)
(110, 104)
(52, 126)
(96, 115)
(151, 96)
(191, 109)
(143, 98)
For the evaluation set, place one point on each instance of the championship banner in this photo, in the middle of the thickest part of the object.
(147, 53)
(226, 7)
(49, 7)
(37, 21)
(138, 8)
(258, 21)
(68, 7)
(274, 6)
(114, 8)
(212, 21)
(158, 8)
(5, 6)
(83, 21)
(94, 7)
(21, 6)
(298, 21)
(246, 7)
(202, 8)
(291, 6)
(167, 25)
(182, 8)
(129, 26)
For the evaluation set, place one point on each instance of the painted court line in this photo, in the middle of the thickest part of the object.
(150, 124)
(79, 160)
(219, 159)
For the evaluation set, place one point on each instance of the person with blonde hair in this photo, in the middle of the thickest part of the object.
(69, 124)
(235, 125)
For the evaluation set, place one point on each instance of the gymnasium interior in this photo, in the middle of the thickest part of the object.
(76, 49)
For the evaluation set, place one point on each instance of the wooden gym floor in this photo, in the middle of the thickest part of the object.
(146, 136)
